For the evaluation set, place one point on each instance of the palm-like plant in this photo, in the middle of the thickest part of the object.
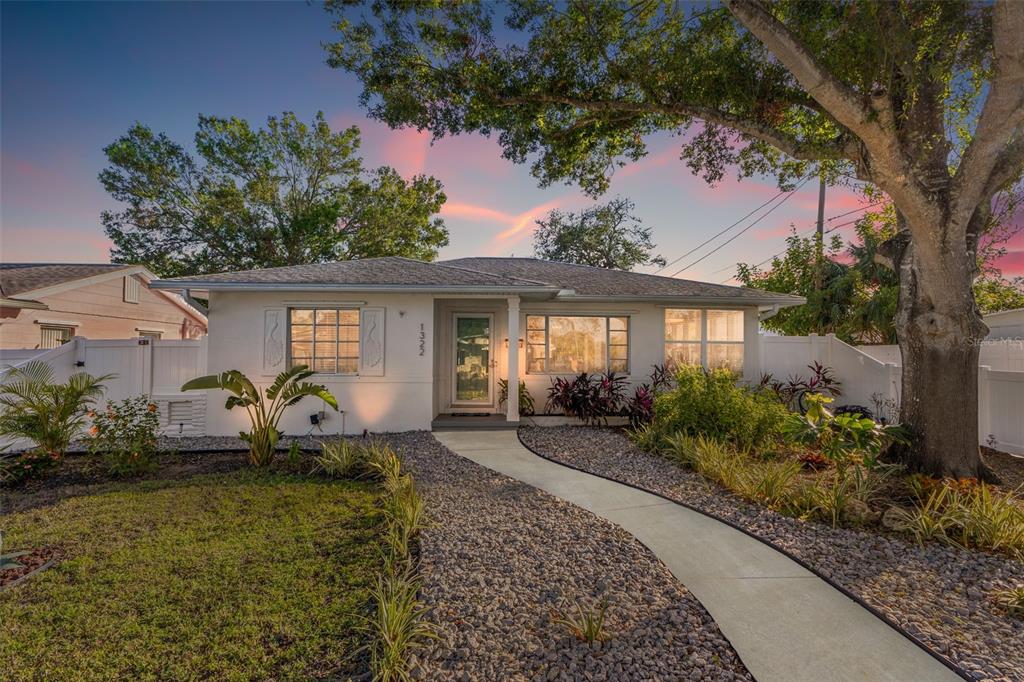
(264, 409)
(33, 406)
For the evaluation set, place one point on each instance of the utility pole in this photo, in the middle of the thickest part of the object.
(820, 243)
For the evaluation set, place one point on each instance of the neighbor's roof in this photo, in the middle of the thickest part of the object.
(587, 281)
(520, 275)
(19, 278)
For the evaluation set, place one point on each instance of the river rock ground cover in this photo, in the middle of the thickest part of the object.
(940, 594)
(503, 561)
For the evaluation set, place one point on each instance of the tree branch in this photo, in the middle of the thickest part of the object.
(1002, 114)
(785, 143)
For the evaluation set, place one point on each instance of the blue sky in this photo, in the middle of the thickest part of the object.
(75, 76)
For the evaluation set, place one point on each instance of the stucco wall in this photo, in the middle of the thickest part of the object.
(397, 401)
(98, 311)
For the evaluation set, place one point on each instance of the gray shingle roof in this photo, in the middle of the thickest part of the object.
(19, 278)
(375, 272)
(516, 274)
(585, 280)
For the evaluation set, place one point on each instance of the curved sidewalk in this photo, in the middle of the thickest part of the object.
(786, 623)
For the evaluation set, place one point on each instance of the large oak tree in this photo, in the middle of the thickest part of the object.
(925, 100)
(286, 194)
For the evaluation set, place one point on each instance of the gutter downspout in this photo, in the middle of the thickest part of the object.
(187, 295)
(767, 314)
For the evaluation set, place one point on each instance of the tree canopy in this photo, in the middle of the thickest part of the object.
(286, 194)
(604, 236)
(924, 100)
(849, 293)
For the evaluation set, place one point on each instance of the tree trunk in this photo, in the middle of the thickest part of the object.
(939, 332)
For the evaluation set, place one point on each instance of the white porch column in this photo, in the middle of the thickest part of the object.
(512, 405)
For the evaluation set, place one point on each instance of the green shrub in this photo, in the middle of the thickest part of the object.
(343, 459)
(50, 414)
(710, 403)
(526, 404)
(124, 434)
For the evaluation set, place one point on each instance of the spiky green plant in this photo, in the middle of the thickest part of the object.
(399, 625)
(264, 408)
(586, 622)
(1012, 600)
(51, 414)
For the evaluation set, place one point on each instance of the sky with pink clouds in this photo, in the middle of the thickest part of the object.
(76, 76)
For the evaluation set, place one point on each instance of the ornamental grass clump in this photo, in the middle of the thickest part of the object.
(971, 516)
(399, 622)
(586, 623)
(263, 408)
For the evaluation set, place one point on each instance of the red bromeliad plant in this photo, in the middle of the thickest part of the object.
(590, 399)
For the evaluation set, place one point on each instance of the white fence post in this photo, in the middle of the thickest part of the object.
(984, 403)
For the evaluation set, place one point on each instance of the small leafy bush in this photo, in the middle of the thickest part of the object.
(640, 406)
(793, 392)
(854, 411)
(590, 399)
(710, 403)
(343, 459)
(585, 622)
(21, 466)
(841, 438)
(124, 434)
(526, 404)
(35, 407)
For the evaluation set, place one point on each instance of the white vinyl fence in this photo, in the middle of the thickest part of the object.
(1005, 355)
(871, 372)
(155, 368)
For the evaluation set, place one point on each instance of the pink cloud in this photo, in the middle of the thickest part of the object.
(54, 245)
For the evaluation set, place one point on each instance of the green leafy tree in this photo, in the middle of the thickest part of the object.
(286, 194)
(604, 236)
(923, 100)
(995, 293)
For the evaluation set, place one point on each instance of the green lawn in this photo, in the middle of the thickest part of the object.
(247, 575)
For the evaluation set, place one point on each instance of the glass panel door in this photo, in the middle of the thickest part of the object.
(473, 359)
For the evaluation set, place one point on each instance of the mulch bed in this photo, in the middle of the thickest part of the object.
(31, 562)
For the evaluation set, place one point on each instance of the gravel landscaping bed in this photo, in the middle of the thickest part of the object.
(500, 558)
(941, 595)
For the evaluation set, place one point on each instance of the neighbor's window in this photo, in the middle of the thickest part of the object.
(54, 336)
(326, 339)
(709, 338)
(570, 344)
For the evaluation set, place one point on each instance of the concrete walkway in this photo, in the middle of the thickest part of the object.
(785, 622)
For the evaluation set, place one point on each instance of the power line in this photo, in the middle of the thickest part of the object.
(828, 231)
(719, 234)
(832, 229)
(732, 238)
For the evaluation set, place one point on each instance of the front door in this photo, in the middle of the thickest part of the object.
(473, 383)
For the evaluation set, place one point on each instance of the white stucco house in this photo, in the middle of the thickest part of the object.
(1006, 324)
(402, 342)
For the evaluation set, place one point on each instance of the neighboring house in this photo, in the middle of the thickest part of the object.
(43, 305)
(1006, 324)
(401, 341)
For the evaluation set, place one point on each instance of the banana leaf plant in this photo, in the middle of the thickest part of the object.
(264, 409)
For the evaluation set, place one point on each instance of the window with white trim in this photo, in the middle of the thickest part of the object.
(325, 339)
(571, 344)
(54, 336)
(707, 338)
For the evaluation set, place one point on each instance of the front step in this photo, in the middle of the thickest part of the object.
(474, 422)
